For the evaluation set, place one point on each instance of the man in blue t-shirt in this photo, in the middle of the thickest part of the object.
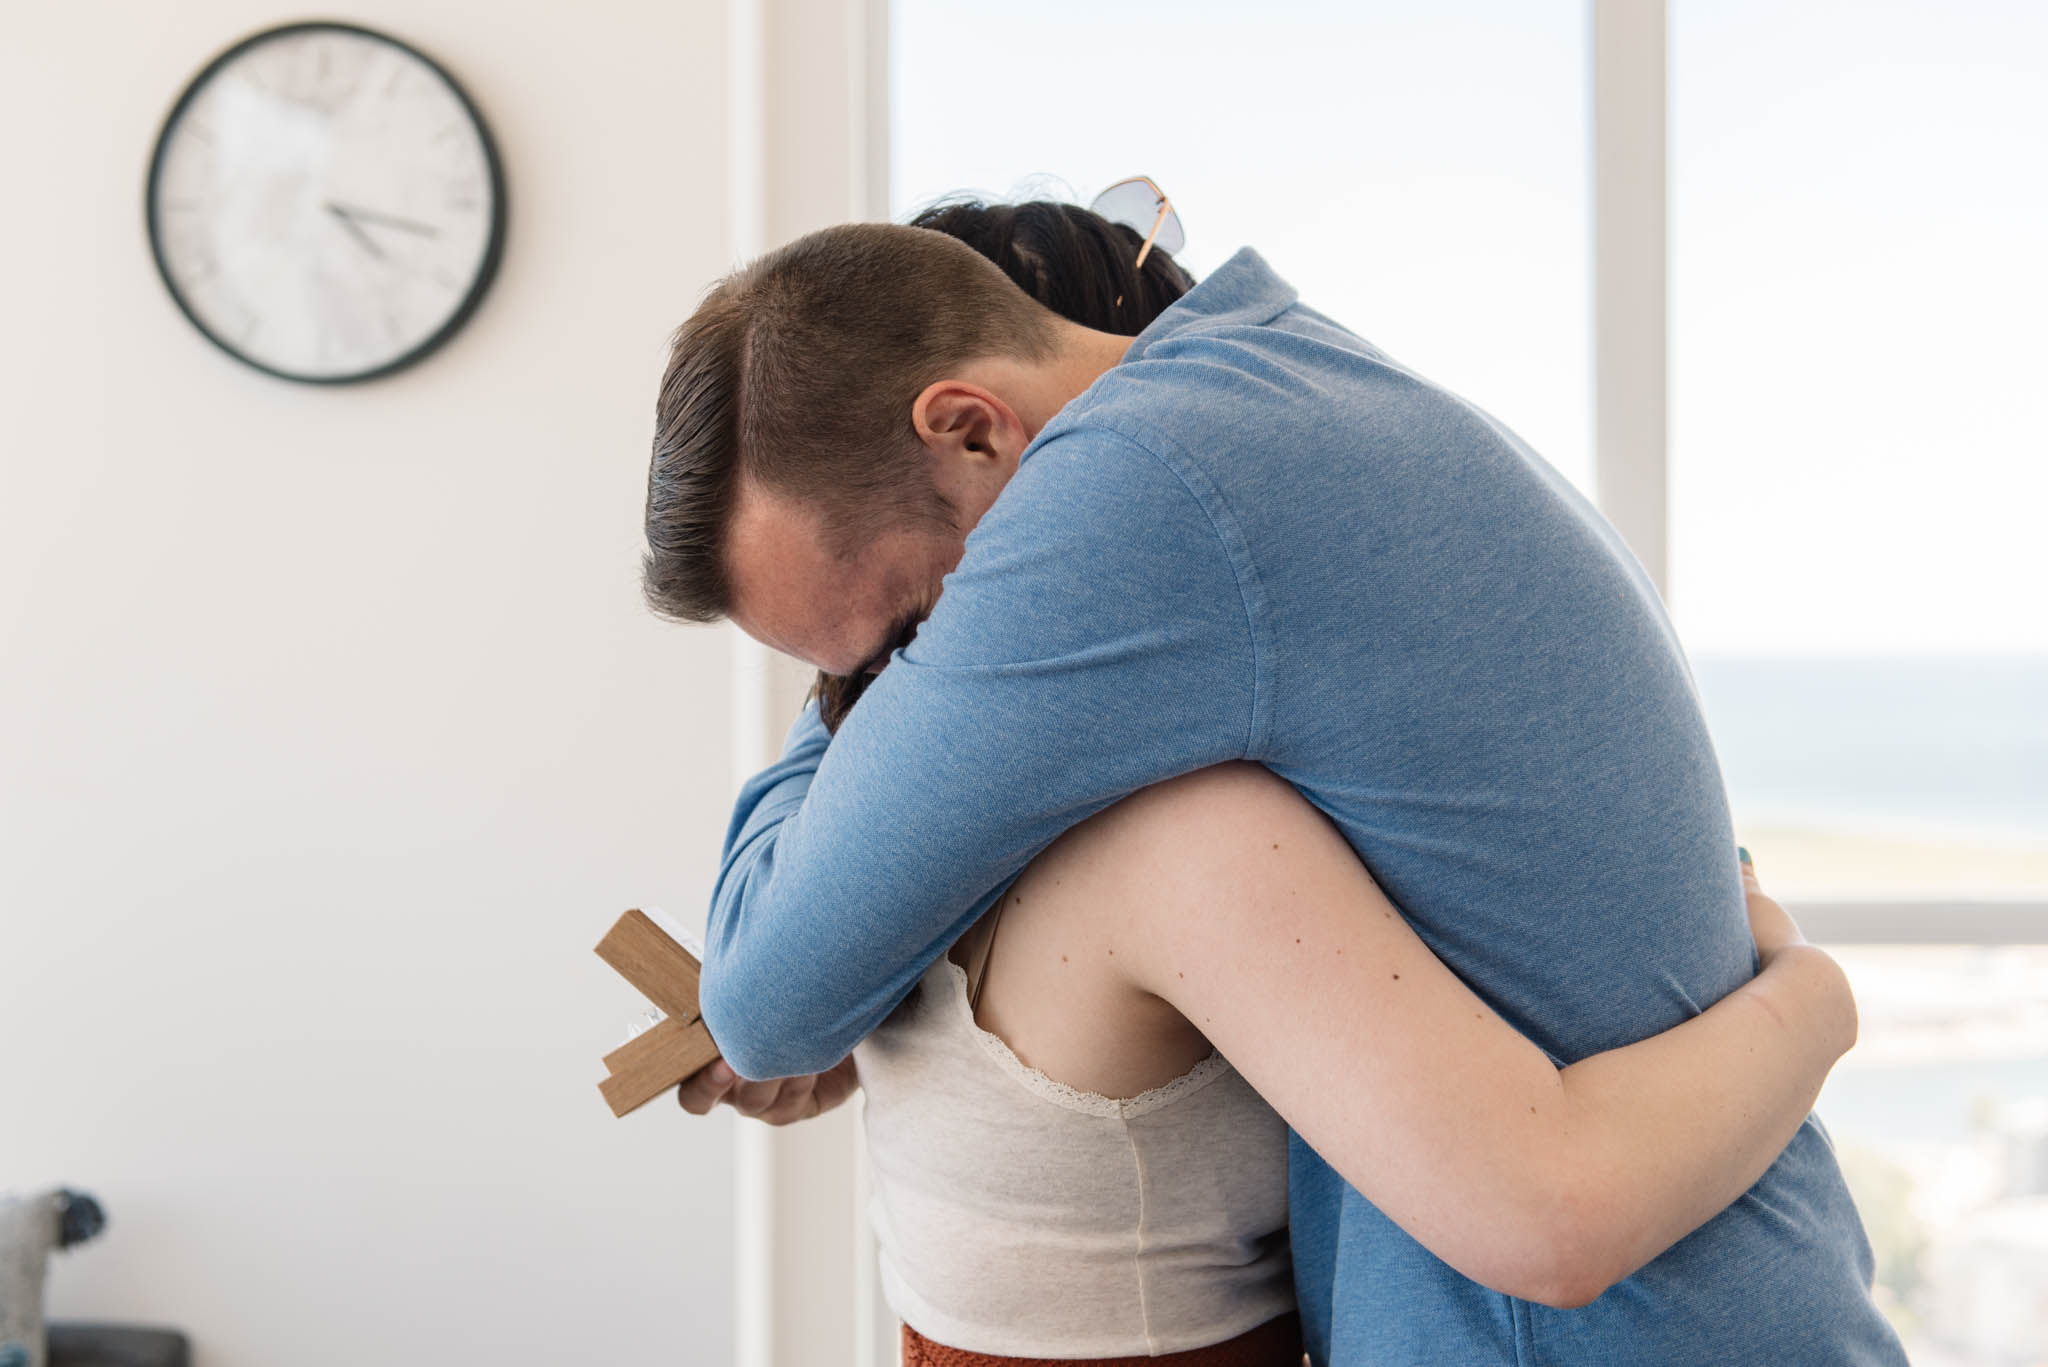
(1245, 535)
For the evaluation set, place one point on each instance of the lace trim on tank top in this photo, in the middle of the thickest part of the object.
(1073, 1098)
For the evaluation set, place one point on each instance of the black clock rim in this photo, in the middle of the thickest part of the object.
(487, 268)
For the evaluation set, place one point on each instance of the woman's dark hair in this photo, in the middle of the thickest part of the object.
(1070, 259)
(1075, 262)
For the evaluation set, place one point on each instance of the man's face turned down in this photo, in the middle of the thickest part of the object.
(844, 610)
(793, 592)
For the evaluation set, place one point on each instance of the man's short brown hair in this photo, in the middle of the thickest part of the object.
(798, 372)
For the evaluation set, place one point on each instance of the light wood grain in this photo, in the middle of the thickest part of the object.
(646, 957)
(649, 1064)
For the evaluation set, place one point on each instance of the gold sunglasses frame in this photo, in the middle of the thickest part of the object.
(1158, 219)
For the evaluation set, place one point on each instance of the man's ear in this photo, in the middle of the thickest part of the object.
(955, 419)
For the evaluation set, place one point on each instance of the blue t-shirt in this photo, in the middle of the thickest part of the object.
(1257, 537)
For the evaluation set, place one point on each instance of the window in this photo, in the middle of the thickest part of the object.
(1857, 467)
(1940, 1115)
(1417, 169)
(1856, 475)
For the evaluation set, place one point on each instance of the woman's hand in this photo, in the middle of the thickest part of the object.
(1824, 997)
(1771, 928)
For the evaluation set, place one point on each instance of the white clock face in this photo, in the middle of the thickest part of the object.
(324, 203)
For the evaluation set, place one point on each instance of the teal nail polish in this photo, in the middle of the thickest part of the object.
(1745, 855)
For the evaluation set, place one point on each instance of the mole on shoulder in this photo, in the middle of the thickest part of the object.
(1397, 977)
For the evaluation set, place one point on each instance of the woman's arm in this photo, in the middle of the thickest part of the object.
(1250, 914)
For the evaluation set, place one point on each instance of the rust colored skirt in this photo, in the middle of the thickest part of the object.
(1276, 1343)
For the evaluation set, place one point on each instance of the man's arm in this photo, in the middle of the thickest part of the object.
(1095, 639)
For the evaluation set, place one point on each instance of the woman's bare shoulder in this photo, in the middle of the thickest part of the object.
(1054, 990)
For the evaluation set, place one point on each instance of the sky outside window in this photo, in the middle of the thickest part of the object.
(1859, 276)
(1416, 170)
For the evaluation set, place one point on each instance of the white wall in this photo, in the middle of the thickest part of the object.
(332, 733)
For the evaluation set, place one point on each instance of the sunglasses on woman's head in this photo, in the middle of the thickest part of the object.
(1140, 205)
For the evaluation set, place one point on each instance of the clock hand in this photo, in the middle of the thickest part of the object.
(355, 230)
(404, 225)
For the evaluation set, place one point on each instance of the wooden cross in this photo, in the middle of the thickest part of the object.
(666, 973)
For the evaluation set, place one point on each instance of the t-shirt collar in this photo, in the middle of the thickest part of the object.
(1243, 290)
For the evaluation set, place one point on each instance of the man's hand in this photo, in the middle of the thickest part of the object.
(781, 1102)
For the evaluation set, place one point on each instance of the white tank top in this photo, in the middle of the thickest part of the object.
(1022, 1217)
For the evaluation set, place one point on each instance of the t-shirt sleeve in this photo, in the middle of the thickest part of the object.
(1095, 639)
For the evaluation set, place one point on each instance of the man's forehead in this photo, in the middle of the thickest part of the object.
(791, 588)
(772, 528)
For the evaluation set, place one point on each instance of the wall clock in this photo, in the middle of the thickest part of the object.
(325, 203)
